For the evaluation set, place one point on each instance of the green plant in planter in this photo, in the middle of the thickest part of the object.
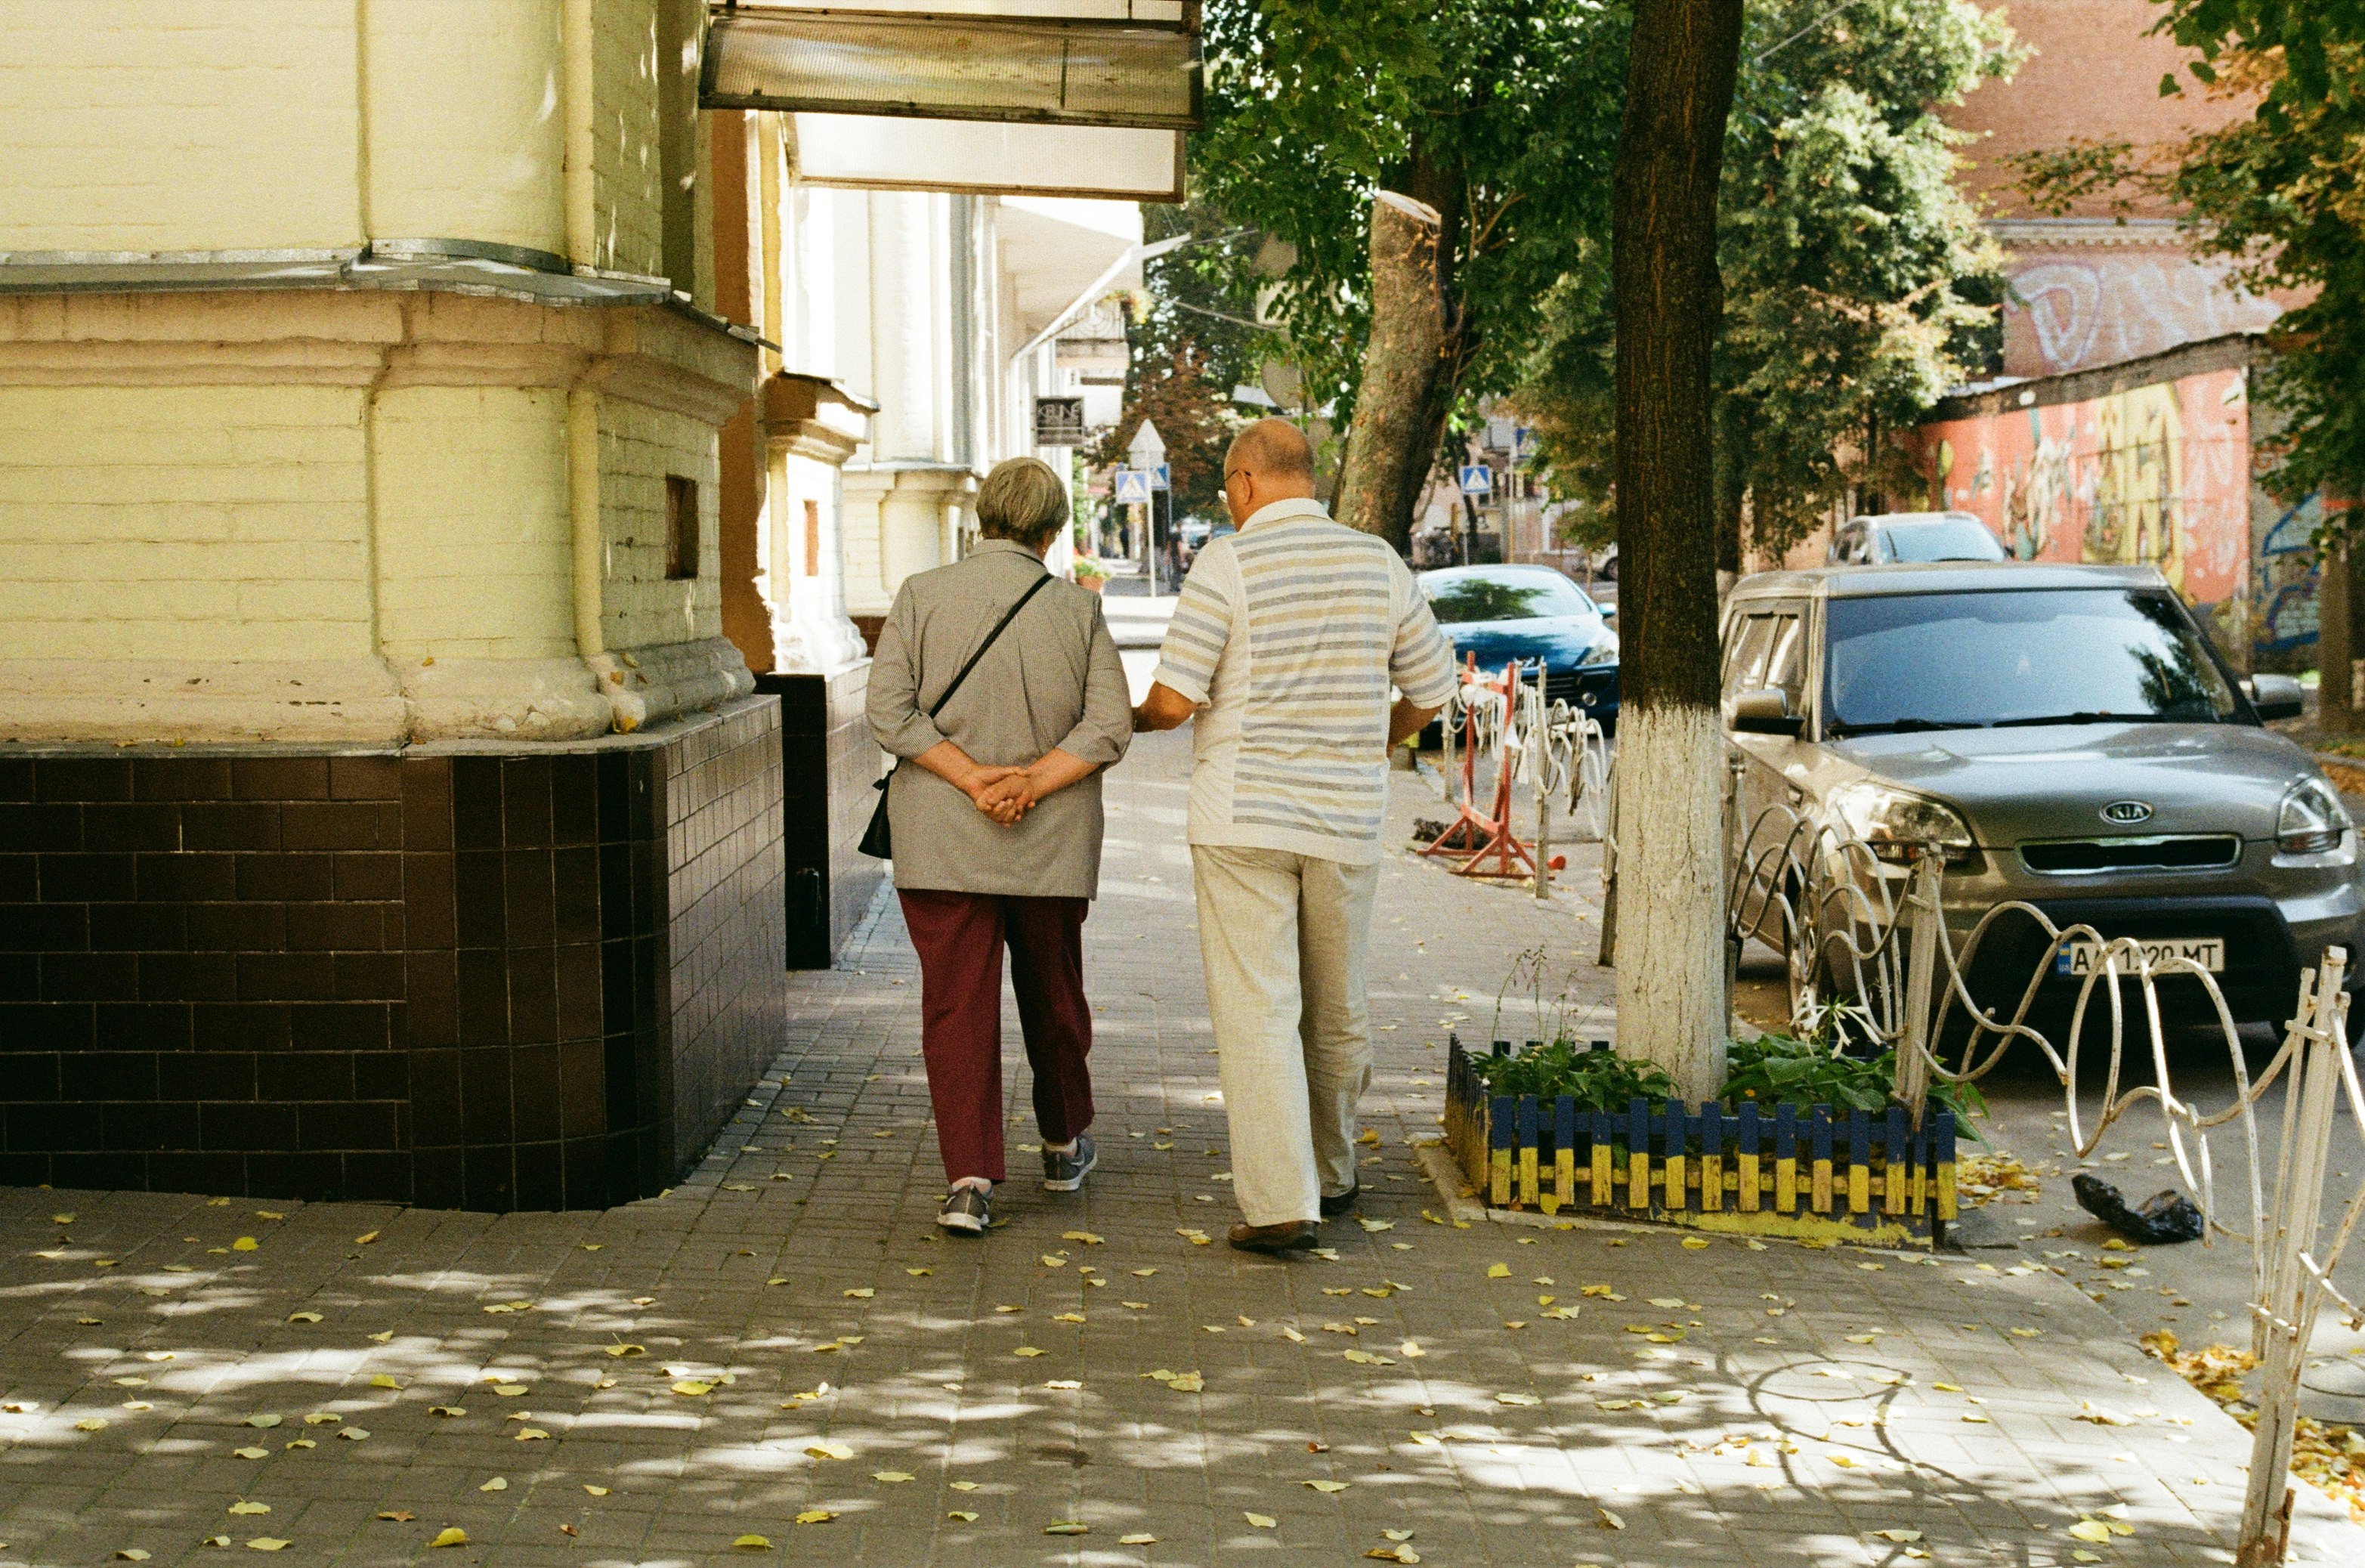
(1777, 1070)
(1597, 1081)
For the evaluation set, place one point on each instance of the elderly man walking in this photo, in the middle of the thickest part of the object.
(1286, 642)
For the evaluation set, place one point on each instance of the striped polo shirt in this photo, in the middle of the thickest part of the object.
(1289, 634)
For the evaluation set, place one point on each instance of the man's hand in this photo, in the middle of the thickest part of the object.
(960, 770)
(1163, 709)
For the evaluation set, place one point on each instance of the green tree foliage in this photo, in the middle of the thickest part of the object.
(1858, 282)
(1501, 113)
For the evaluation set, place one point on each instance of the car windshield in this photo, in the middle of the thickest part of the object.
(2050, 655)
(1503, 596)
(1941, 539)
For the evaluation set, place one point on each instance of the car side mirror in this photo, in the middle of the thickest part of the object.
(1608, 611)
(1763, 713)
(2274, 696)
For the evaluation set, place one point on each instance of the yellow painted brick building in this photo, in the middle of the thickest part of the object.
(383, 810)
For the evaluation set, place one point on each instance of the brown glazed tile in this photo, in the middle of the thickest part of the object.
(435, 1098)
(484, 999)
(431, 916)
(475, 802)
(368, 976)
(132, 825)
(87, 879)
(363, 876)
(295, 1076)
(426, 802)
(431, 1004)
(191, 877)
(526, 877)
(330, 825)
(365, 777)
(168, 1026)
(485, 1115)
(205, 1075)
(81, 778)
(279, 778)
(237, 927)
(240, 1027)
(283, 879)
(525, 802)
(535, 1107)
(180, 778)
(138, 927)
(341, 1026)
(479, 899)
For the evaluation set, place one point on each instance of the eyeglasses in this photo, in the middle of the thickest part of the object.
(1229, 474)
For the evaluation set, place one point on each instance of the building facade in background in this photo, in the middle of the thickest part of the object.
(423, 424)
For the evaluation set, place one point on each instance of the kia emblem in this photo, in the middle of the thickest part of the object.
(2126, 813)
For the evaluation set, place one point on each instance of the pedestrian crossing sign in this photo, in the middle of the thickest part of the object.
(1477, 480)
(1133, 485)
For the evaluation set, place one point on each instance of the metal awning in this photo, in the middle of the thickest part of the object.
(1105, 70)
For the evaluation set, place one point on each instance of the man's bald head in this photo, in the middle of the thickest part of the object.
(1274, 449)
(1270, 460)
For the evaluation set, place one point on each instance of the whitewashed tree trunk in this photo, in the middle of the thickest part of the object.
(1671, 918)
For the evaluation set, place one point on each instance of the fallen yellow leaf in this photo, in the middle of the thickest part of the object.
(366, 1237)
(452, 1535)
(245, 1244)
(1696, 1243)
(266, 1543)
(1498, 1271)
(1327, 1486)
(1068, 1527)
(594, 1491)
(1610, 1520)
(1263, 1521)
(498, 1484)
(963, 1514)
(2091, 1530)
(1138, 1539)
(691, 1389)
(892, 1477)
(303, 1317)
(246, 1508)
(822, 1448)
(752, 1543)
(815, 1517)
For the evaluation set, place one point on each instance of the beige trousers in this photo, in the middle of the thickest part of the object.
(1283, 937)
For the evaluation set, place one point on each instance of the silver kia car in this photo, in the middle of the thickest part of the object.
(2068, 737)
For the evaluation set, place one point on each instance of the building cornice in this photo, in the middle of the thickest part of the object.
(2054, 233)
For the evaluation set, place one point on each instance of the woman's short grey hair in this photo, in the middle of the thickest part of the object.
(1022, 500)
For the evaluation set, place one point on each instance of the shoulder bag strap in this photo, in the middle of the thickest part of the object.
(1008, 616)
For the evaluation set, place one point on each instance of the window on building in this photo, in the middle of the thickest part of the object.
(681, 526)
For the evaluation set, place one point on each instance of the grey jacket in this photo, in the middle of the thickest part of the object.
(1053, 679)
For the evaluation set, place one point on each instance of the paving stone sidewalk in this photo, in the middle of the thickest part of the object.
(786, 1337)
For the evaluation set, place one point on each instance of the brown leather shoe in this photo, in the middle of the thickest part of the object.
(1290, 1235)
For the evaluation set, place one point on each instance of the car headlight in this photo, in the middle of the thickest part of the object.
(1893, 822)
(2312, 819)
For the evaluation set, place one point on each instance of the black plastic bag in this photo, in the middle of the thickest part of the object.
(2163, 1217)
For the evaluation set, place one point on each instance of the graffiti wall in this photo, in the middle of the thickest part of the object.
(2073, 309)
(2157, 474)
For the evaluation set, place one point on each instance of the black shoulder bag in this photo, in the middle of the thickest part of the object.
(878, 840)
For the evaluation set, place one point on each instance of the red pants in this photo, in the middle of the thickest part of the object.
(959, 937)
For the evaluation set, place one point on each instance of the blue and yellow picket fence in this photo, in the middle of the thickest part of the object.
(1807, 1172)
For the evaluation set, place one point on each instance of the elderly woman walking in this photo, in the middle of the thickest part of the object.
(1004, 688)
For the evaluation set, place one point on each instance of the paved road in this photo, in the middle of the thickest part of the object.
(785, 1336)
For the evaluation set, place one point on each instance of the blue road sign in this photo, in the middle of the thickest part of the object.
(1477, 480)
(1162, 476)
(1133, 485)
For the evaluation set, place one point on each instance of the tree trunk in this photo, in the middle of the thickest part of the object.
(1408, 385)
(1671, 969)
(2336, 643)
(1732, 453)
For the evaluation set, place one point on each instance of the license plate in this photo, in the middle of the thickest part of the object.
(2082, 959)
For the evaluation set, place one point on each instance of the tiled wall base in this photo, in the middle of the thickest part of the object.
(829, 763)
(456, 975)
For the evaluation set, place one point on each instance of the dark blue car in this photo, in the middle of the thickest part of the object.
(1502, 613)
